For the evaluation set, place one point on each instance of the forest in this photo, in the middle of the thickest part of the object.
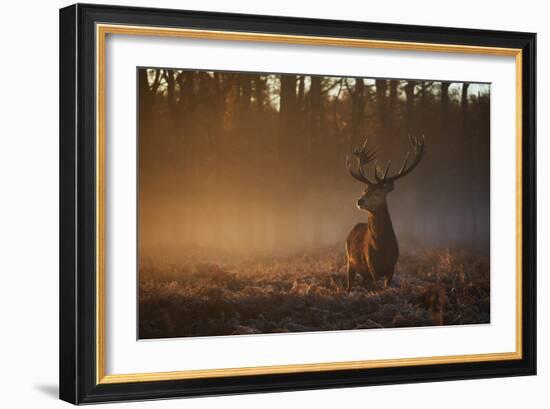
(244, 199)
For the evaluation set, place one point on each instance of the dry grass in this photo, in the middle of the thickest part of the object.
(306, 292)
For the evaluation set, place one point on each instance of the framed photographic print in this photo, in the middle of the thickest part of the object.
(257, 203)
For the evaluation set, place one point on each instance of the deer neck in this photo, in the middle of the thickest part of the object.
(380, 228)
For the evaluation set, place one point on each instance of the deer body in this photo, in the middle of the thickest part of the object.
(371, 248)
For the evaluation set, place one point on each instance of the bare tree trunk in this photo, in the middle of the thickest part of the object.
(301, 90)
(186, 91)
(393, 95)
(464, 107)
(423, 96)
(171, 89)
(316, 114)
(467, 134)
(218, 108)
(246, 92)
(259, 93)
(381, 102)
(316, 105)
(357, 112)
(287, 116)
(409, 119)
(143, 84)
(146, 99)
(445, 103)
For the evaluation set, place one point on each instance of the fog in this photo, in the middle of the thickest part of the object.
(254, 164)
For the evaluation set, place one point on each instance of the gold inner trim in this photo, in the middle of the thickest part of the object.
(100, 206)
(103, 29)
(300, 39)
(286, 369)
(519, 210)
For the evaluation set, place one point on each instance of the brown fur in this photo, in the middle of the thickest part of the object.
(371, 247)
(372, 250)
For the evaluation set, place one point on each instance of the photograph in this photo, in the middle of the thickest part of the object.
(296, 202)
(251, 202)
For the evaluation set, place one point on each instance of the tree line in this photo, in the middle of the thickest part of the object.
(273, 139)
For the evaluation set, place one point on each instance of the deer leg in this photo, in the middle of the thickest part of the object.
(351, 276)
(369, 282)
(388, 278)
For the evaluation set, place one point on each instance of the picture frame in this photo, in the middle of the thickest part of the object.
(83, 214)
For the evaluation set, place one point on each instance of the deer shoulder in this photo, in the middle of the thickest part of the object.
(355, 243)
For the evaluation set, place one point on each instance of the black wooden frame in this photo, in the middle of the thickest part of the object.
(77, 204)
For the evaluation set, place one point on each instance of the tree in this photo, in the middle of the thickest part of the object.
(393, 96)
(464, 106)
(287, 116)
(169, 77)
(409, 102)
(381, 102)
(357, 110)
(259, 93)
(444, 105)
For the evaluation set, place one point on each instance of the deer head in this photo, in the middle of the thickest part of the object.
(374, 196)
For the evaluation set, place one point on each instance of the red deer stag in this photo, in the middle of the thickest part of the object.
(371, 247)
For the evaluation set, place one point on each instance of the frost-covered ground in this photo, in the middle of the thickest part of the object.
(306, 292)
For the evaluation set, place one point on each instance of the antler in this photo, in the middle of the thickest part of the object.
(418, 150)
(363, 158)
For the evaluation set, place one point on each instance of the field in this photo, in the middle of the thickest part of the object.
(307, 292)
